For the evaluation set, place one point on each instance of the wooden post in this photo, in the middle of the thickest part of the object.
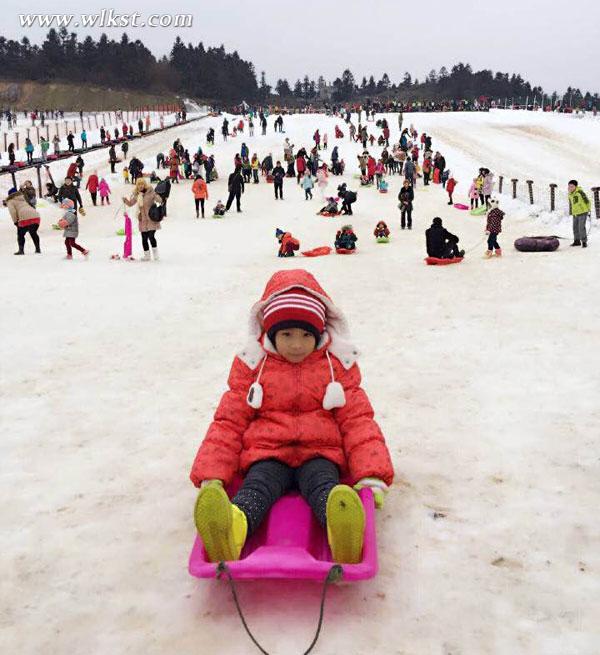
(14, 179)
(514, 181)
(17, 135)
(553, 197)
(38, 135)
(47, 132)
(5, 142)
(500, 183)
(530, 187)
(39, 178)
(28, 134)
(96, 120)
(596, 192)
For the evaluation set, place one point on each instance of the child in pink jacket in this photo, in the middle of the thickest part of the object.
(474, 194)
(104, 191)
(379, 170)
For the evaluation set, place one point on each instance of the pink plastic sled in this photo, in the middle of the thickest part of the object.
(291, 544)
(459, 205)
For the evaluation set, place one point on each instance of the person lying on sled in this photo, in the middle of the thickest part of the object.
(294, 417)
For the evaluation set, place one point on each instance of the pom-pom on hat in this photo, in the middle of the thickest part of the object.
(294, 308)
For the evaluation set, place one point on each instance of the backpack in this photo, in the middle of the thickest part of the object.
(156, 213)
(350, 196)
(161, 188)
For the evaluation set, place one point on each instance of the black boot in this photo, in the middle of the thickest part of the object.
(577, 242)
(19, 252)
(584, 244)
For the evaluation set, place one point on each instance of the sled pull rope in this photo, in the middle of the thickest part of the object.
(335, 574)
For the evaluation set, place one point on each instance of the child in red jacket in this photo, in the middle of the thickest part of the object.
(450, 186)
(294, 416)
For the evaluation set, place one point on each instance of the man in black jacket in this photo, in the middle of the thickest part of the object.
(406, 197)
(69, 190)
(441, 243)
(235, 184)
(278, 175)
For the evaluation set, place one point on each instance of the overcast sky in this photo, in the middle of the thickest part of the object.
(548, 43)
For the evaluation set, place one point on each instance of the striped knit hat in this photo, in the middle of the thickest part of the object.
(294, 308)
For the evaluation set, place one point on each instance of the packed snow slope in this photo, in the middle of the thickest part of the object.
(484, 378)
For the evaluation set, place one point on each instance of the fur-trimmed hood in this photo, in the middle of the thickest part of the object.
(336, 337)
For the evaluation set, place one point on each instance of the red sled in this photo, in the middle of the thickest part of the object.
(317, 252)
(329, 214)
(345, 251)
(270, 179)
(436, 261)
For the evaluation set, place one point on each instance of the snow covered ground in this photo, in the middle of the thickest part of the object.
(484, 377)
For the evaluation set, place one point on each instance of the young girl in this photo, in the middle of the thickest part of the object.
(379, 172)
(307, 185)
(381, 230)
(450, 186)
(493, 229)
(474, 194)
(322, 180)
(126, 175)
(104, 191)
(294, 416)
(70, 223)
(255, 164)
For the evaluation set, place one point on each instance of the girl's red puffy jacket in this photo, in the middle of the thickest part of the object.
(450, 185)
(292, 425)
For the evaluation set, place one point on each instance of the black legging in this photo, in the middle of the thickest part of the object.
(148, 236)
(269, 479)
(112, 166)
(278, 185)
(406, 216)
(22, 231)
(199, 203)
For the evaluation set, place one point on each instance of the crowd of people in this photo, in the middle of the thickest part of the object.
(310, 166)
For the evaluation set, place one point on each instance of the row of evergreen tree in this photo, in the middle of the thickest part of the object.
(216, 75)
(458, 83)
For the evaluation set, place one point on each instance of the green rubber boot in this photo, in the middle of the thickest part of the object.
(221, 525)
(345, 525)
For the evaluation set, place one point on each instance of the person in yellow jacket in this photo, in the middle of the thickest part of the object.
(255, 164)
(579, 208)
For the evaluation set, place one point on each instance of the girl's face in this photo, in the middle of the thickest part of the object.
(294, 344)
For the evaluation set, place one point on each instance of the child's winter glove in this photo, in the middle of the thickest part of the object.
(205, 483)
(377, 486)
